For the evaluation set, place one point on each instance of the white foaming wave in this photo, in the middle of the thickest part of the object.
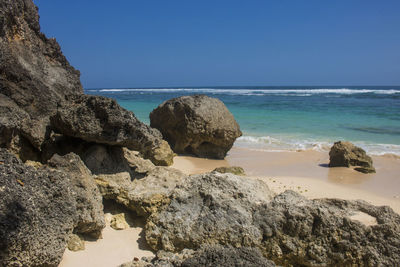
(288, 92)
(271, 144)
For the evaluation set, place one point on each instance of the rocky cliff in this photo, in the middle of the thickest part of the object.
(41, 94)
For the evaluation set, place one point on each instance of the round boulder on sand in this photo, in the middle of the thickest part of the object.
(345, 154)
(198, 125)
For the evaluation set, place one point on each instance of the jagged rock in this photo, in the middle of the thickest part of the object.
(289, 229)
(198, 125)
(345, 154)
(90, 215)
(209, 208)
(40, 90)
(118, 222)
(101, 120)
(232, 169)
(39, 209)
(75, 243)
(211, 256)
(144, 195)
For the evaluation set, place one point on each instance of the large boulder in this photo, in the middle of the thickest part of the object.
(198, 125)
(101, 120)
(40, 208)
(289, 229)
(345, 154)
(41, 93)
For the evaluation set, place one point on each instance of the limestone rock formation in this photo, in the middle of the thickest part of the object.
(40, 93)
(345, 154)
(208, 255)
(232, 169)
(39, 209)
(145, 195)
(101, 120)
(90, 215)
(198, 125)
(289, 229)
(210, 208)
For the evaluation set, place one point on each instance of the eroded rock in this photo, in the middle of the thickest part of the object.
(198, 125)
(345, 154)
(118, 222)
(75, 243)
(289, 229)
(39, 209)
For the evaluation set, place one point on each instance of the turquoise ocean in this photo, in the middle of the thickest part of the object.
(292, 118)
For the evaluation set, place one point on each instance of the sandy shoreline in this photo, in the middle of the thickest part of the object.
(307, 173)
(304, 172)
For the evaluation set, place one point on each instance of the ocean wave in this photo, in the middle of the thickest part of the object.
(284, 92)
(271, 144)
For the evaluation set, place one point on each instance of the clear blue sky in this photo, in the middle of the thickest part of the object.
(147, 43)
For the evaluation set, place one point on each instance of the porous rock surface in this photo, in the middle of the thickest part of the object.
(346, 154)
(206, 256)
(39, 209)
(289, 229)
(197, 124)
(41, 93)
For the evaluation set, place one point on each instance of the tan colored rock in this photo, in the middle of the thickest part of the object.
(75, 243)
(145, 195)
(118, 222)
(233, 169)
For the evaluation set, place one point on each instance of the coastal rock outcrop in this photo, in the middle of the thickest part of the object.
(345, 154)
(289, 229)
(210, 208)
(207, 255)
(40, 208)
(101, 120)
(41, 93)
(197, 124)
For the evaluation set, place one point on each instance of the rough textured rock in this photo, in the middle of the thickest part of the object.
(207, 256)
(90, 215)
(232, 169)
(75, 243)
(210, 208)
(41, 93)
(101, 120)
(37, 207)
(290, 229)
(145, 195)
(118, 222)
(345, 154)
(198, 125)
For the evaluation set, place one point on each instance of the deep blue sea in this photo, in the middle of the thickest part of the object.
(292, 118)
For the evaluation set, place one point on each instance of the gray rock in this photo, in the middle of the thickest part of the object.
(90, 215)
(345, 154)
(101, 120)
(198, 125)
(38, 212)
(289, 229)
(210, 208)
(208, 255)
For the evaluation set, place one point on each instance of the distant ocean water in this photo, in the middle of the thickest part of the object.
(292, 118)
